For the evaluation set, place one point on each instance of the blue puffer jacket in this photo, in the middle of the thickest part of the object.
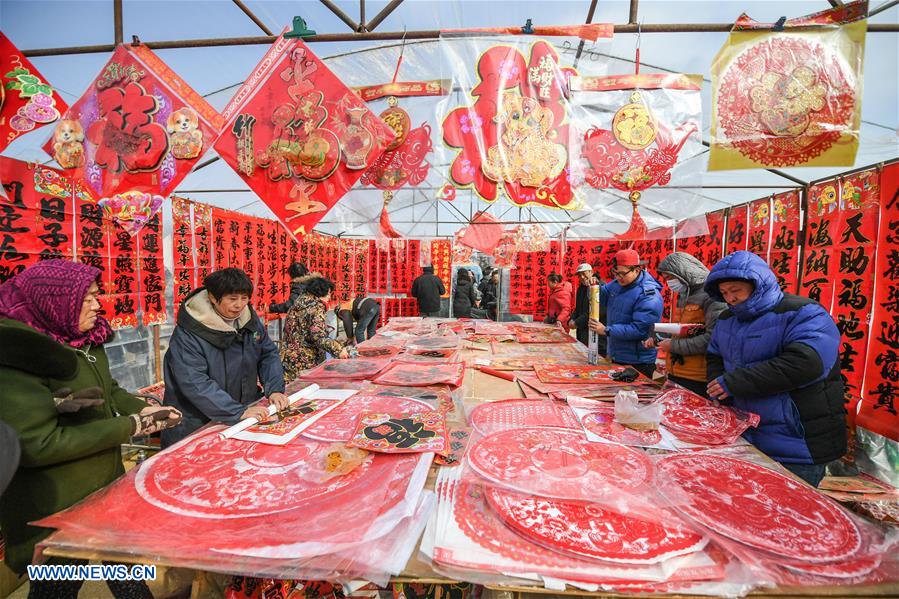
(778, 356)
(630, 313)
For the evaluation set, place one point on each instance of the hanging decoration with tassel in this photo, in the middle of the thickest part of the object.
(638, 148)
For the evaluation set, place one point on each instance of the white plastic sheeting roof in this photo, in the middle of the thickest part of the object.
(416, 213)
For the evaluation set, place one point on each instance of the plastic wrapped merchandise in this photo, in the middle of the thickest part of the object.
(261, 510)
(789, 97)
(635, 415)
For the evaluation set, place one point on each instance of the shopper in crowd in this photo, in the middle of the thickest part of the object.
(297, 272)
(62, 402)
(581, 314)
(633, 305)
(307, 342)
(218, 351)
(359, 318)
(427, 289)
(485, 280)
(490, 299)
(476, 271)
(686, 363)
(558, 302)
(777, 355)
(464, 296)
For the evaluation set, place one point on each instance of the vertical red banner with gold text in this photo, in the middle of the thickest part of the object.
(152, 275)
(737, 235)
(819, 263)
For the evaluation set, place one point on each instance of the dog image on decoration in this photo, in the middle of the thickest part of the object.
(68, 147)
(184, 135)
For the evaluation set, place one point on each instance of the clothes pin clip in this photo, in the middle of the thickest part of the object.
(135, 41)
(779, 26)
(528, 27)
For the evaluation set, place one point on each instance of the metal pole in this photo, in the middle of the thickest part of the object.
(117, 21)
(362, 16)
(397, 35)
(340, 15)
(157, 352)
(382, 15)
(253, 17)
(632, 18)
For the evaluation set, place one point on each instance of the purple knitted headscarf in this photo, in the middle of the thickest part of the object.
(48, 296)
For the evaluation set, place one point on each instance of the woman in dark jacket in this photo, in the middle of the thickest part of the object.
(777, 355)
(297, 272)
(464, 297)
(70, 415)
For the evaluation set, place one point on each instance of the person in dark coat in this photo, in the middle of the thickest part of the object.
(464, 297)
(68, 414)
(218, 350)
(580, 317)
(360, 321)
(490, 299)
(633, 305)
(297, 272)
(9, 454)
(686, 362)
(427, 289)
(777, 355)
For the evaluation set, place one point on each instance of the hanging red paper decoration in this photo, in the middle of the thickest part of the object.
(26, 99)
(790, 98)
(298, 136)
(134, 135)
(514, 138)
(637, 149)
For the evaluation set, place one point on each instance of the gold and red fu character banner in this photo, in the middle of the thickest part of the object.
(298, 136)
(46, 214)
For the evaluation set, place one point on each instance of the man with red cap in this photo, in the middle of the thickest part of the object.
(633, 305)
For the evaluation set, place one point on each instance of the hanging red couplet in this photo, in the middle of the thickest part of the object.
(878, 410)
(784, 255)
(819, 261)
(737, 237)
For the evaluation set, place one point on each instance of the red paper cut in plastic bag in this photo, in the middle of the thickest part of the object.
(515, 135)
(298, 136)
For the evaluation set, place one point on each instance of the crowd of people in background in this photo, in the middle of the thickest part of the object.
(750, 345)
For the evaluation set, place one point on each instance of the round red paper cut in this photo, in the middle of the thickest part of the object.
(340, 423)
(559, 463)
(785, 101)
(694, 419)
(497, 416)
(212, 477)
(602, 424)
(844, 569)
(758, 507)
(589, 530)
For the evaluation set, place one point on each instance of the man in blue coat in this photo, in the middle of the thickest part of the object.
(777, 355)
(218, 351)
(633, 305)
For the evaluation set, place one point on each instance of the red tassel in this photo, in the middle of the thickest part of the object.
(638, 228)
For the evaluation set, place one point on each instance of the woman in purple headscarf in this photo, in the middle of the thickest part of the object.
(58, 395)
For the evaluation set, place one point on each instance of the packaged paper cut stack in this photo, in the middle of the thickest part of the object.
(233, 506)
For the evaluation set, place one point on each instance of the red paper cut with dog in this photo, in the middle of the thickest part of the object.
(134, 135)
(514, 137)
(298, 136)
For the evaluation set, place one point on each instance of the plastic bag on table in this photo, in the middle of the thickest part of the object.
(357, 368)
(775, 524)
(485, 533)
(561, 463)
(633, 414)
(694, 419)
(233, 506)
(600, 425)
(416, 375)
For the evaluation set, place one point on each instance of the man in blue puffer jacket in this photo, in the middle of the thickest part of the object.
(777, 355)
(633, 304)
